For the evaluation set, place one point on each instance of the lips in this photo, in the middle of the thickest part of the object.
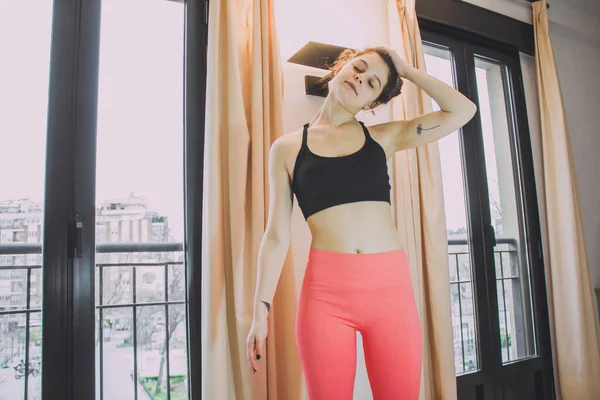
(352, 86)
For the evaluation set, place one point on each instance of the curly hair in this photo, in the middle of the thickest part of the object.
(393, 86)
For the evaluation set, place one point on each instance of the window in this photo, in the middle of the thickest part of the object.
(139, 331)
(492, 222)
(140, 308)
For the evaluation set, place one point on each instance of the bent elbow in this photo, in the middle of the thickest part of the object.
(471, 110)
(277, 238)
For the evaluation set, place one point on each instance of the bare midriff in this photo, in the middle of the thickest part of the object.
(360, 228)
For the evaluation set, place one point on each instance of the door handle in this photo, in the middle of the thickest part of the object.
(75, 229)
(490, 234)
(78, 233)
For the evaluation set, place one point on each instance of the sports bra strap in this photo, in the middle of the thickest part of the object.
(305, 135)
(365, 130)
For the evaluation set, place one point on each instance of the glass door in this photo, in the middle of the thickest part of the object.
(25, 39)
(513, 259)
(101, 135)
(140, 273)
(501, 342)
(440, 64)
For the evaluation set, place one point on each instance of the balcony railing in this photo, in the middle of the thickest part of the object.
(462, 299)
(143, 305)
(167, 295)
(461, 288)
(16, 316)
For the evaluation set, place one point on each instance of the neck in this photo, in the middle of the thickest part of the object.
(332, 113)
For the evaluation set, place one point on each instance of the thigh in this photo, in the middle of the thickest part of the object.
(327, 346)
(392, 342)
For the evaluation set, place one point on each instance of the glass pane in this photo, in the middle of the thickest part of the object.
(177, 282)
(115, 349)
(151, 349)
(139, 203)
(150, 284)
(177, 351)
(512, 268)
(24, 72)
(35, 356)
(12, 349)
(116, 284)
(439, 64)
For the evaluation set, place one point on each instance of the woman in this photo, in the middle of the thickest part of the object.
(357, 276)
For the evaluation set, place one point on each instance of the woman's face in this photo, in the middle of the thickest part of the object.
(360, 81)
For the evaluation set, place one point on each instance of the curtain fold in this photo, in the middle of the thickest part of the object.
(573, 313)
(243, 118)
(418, 209)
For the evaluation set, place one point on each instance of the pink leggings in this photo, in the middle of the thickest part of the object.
(343, 293)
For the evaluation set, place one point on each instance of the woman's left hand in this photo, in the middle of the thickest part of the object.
(401, 66)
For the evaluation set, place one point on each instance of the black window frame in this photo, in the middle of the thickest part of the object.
(68, 257)
(494, 378)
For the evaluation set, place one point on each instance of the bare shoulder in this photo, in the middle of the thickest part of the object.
(285, 148)
(288, 141)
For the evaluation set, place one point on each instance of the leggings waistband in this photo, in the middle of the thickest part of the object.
(385, 268)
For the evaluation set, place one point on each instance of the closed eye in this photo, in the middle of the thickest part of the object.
(370, 81)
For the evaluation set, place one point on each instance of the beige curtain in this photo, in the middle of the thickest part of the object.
(574, 324)
(244, 117)
(419, 211)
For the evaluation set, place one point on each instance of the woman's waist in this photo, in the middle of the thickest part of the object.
(351, 238)
(355, 228)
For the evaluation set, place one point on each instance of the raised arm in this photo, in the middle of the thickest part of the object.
(456, 111)
(273, 248)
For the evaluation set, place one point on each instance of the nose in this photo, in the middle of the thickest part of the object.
(357, 77)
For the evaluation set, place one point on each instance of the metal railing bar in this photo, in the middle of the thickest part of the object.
(504, 302)
(148, 304)
(135, 348)
(101, 333)
(462, 281)
(15, 267)
(499, 240)
(143, 264)
(462, 339)
(21, 311)
(141, 247)
(168, 357)
(27, 334)
(137, 247)
(20, 248)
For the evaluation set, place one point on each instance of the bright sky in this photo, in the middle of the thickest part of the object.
(140, 105)
(24, 46)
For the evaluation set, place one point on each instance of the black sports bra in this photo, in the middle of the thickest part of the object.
(321, 182)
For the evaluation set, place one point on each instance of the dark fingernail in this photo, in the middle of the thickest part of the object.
(258, 356)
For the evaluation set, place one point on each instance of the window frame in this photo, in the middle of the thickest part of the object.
(493, 378)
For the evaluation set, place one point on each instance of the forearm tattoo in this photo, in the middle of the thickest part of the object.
(267, 304)
(420, 129)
